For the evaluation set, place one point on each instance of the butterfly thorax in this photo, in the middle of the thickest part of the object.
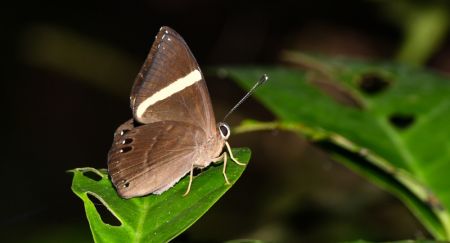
(212, 149)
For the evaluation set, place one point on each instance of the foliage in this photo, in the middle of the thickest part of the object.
(153, 218)
(387, 121)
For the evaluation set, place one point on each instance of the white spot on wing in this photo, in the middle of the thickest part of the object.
(169, 90)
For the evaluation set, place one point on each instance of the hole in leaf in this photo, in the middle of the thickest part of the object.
(106, 215)
(92, 175)
(401, 121)
(373, 84)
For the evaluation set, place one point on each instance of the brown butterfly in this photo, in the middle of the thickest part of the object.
(173, 129)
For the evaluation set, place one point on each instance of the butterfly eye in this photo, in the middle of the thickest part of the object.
(224, 130)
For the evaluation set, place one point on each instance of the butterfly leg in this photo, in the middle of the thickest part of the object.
(224, 168)
(223, 157)
(191, 176)
(231, 155)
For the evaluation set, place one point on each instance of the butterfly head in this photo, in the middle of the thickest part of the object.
(224, 130)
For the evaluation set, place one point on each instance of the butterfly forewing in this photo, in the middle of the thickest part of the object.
(170, 85)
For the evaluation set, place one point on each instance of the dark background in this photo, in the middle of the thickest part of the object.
(67, 71)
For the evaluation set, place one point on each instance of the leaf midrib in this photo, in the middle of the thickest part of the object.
(139, 226)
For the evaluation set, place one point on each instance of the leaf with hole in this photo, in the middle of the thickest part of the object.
(389, 122)
(153, 218)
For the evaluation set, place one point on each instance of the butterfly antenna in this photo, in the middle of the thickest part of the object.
(260, 82)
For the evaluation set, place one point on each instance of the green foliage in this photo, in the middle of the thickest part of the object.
(387, 121)
(153, 218)
(401, 241)
(424, 26)
(244, 241)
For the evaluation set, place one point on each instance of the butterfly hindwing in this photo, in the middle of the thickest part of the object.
(149, 158)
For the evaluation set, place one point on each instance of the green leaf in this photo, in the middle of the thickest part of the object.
(390, 122)
(401, 241)
(153, 218)
(244, 241)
